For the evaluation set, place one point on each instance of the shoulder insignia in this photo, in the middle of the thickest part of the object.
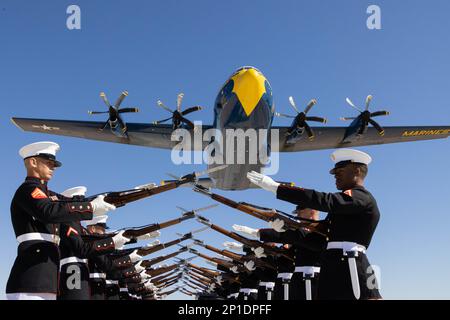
(348, 192)
(38, 194)
(71, 230)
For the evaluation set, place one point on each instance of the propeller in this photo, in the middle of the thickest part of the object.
(366, 116)
(178, 115)
(300, 120)
(114, 111)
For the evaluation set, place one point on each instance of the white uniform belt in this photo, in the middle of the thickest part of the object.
(72, 260)
(308, 269)
(285, 275)
(233, 295)
(346, 246)
(97, 275)
(268, 285)
(248, 290)
(38, 236)
(112, 281)
(123, 289)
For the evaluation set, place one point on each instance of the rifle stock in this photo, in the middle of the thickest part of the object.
(265, 214)
(146, 251)
(250, 242)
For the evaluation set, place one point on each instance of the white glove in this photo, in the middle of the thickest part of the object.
(250, 265)
(151, 244)
(144, 275)
(134, 257)
(259, 252)
(262, 181)
(139, 267)
(119, 240)
(212, 286)
(277, 225)
(233, 245)
(149, 285)
(247, 230)
(234, 269)
(150, 235)
(100, 207)
(218, 280)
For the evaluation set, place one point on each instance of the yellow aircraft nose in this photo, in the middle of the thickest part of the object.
(249, 86)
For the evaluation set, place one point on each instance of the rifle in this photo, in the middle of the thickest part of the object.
(187, 292)
(158, 279)
(159, 271)
(225, 263)
(236, 257)
(139, 231)
(205, 270)
(199, 285)
(161, 281)
(244, 240)
(146, 251)
(148, 263)
(199, 279)
(121, 198)
(266, 214)
(168, 292)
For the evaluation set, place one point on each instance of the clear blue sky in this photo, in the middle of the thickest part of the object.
(307, 49)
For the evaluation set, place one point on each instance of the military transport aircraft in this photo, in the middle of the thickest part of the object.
(244, 102)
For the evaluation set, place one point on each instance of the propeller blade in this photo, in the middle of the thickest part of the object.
(190, 110)
(379, 113)
(125, 110)
(120, 99)
(179, 100)
(363, 128)
(377, 126)
(277, 114)
(310, 105)
(187, 122)
(352, 105)
(368, 99)
(105, 100)
(161, 121)
(347, 118)
(97, 112)
(316, 119)
(309, 131)
(292, 102)
(162, 105)
(104, 126)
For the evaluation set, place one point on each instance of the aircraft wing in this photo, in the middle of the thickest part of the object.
(331, 137)
(141, 134)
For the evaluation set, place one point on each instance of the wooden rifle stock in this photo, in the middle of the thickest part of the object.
(265, 214)
(121, 198)
(136, 232)
(240, 258)
(150, 262)
(251, 243)
(144, 251)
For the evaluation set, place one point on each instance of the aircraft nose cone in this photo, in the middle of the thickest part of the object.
(249, 86)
